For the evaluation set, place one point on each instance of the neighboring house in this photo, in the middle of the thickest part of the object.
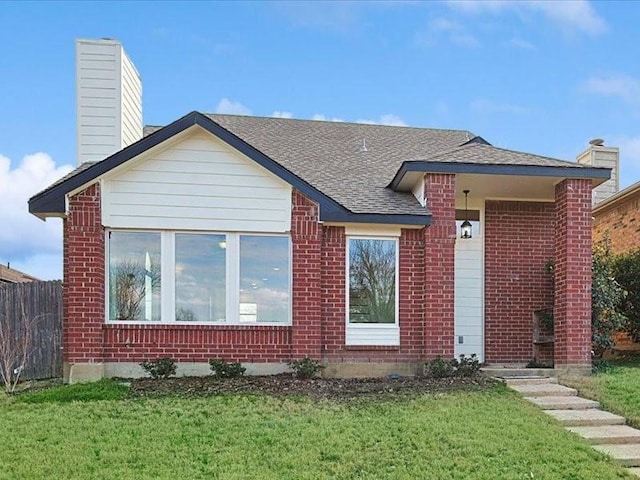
(11, 275)
(618, 218)
(262, 240)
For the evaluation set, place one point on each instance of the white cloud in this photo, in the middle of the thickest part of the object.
(439, 28)
(279, 114)
(569, 15)
(24, 239)
(232, 108)
(386, 119)
(617, 85)
(322, 118)
(484, 105)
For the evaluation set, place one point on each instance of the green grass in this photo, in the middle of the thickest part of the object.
(105, 389)
(477, 435)
(617, 389)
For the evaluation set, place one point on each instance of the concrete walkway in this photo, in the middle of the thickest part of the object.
(605, 431)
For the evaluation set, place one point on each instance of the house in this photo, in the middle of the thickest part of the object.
(11, 275)
(262, 240)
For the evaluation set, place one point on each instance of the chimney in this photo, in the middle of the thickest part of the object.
(108, 99)
(597, 155)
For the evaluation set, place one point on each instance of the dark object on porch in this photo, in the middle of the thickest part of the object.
(543, 338)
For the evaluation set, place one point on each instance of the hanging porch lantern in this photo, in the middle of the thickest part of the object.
(465, 228)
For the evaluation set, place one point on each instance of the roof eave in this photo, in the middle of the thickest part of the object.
(598, 175)
(391, 219)
(52, 202)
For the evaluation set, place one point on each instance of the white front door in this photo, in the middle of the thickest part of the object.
(469, 299)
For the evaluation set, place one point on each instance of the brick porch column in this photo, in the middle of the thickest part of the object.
(439, 254)
(572, 307)
(306, 237)
(83, 293)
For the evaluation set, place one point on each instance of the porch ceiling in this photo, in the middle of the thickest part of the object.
(507, 187)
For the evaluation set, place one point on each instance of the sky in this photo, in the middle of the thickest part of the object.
(536, 76)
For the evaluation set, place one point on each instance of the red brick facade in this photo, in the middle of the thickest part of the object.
(620, 221)
(519, 241)
(572, 309)
(439, 257)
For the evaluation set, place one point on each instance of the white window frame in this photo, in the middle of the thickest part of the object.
(167, 272)
(385, 334)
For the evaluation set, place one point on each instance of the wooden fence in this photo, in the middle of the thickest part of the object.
(40, 304)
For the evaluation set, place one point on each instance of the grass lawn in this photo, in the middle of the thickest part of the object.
(490, 434)
(617, 389)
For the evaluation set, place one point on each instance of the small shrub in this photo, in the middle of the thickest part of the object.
(467, 366)
(223, 370)
(305, 368)
(160, 368)
(599, 365)
(440, 368)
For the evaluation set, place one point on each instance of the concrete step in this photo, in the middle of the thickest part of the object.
(591, 417)
(545, 390)
(562, 403)
(608, 434)
(634, 471)
(533, 380)
(627, 455)
(502, 372)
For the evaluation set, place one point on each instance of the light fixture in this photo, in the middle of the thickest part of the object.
(465, 228)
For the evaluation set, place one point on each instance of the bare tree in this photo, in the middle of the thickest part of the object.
(16, 341)
(372, 281)
(129, 281)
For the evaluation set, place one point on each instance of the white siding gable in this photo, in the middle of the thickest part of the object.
(197, 183)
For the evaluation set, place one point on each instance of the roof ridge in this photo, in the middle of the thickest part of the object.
(334, 122)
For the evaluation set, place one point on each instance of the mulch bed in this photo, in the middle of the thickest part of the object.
(286, 385)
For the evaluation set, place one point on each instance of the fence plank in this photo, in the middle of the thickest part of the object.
(42, 304)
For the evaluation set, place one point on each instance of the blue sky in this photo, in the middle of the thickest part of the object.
(543, 77)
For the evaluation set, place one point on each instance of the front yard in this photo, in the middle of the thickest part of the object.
(617, 388)
(485, 432)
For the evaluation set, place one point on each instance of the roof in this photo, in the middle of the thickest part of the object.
(352, 170)
(617, 198)
(11, 275)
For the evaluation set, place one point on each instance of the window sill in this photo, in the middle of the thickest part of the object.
(194, 326)
(377, 348)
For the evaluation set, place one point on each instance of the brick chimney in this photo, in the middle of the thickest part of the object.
(597, 155)
(108, 99)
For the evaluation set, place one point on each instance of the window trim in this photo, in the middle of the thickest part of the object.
(392, 328)
(167, 286)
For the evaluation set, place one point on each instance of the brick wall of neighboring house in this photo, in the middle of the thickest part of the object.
(621, 222)
(519, 240)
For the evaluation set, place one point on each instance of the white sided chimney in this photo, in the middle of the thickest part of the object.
(108, 99)
(597, 155)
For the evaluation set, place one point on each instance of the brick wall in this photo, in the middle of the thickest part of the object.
(519, 240)
(411, 248)
(439, 260)
(572, 310)
(307, 242)
(621, 222)
(84, 275)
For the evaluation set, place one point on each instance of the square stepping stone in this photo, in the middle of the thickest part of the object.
(585, 418)
(608, 434)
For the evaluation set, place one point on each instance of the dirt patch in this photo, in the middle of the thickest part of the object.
(288, 385)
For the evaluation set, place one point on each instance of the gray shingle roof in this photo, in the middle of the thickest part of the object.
(347, 167)
(490, 155)
(329, 156)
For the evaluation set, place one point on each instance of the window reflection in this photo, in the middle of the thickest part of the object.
(264, 279)
(372, 281)
(200, 276)
(134, 276)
